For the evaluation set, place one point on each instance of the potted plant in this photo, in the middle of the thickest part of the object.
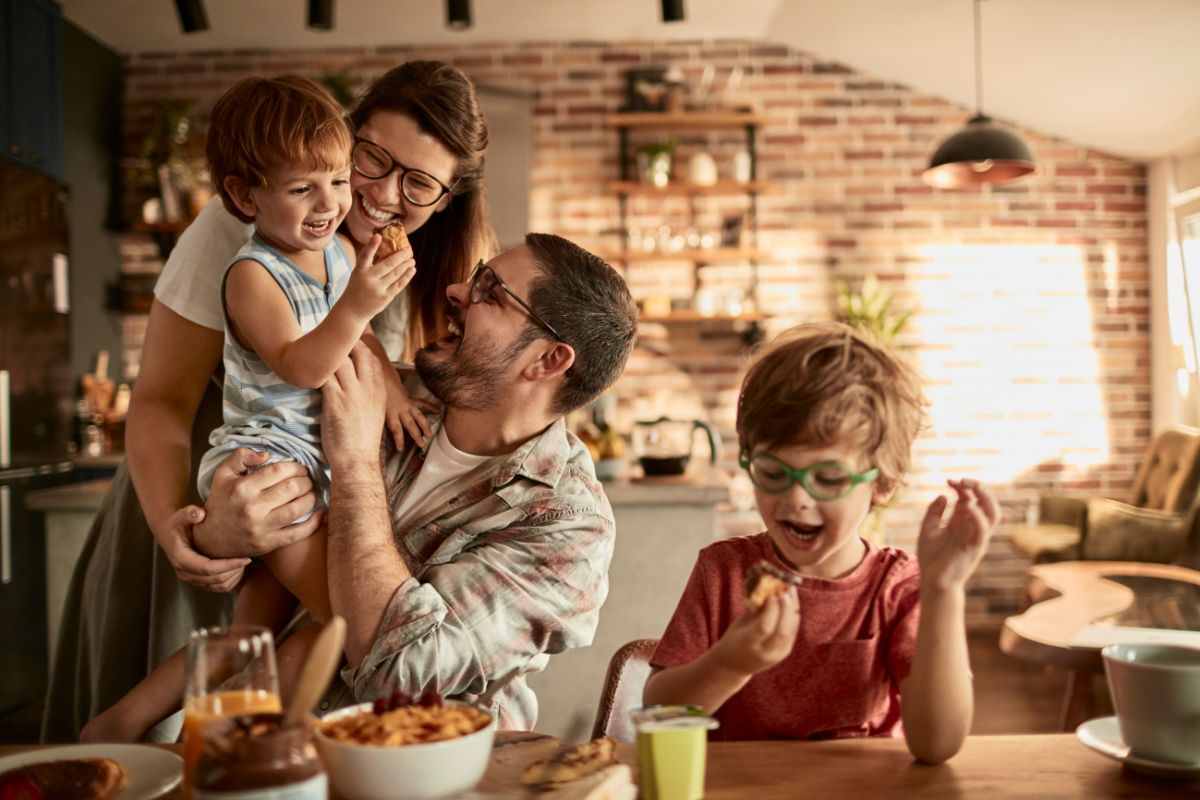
(170, 164)
(654, 162)
(868, 307)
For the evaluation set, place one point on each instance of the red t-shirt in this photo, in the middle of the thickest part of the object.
(856, 642)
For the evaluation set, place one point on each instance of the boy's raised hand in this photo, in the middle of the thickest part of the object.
(761, 638)
(949, 551)
(374, 284)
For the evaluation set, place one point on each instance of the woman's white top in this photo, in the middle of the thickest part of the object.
(190, 283)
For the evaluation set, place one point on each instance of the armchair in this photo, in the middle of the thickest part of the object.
(1155, 527)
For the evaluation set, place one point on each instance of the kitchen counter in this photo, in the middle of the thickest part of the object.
(77, 497)
(662, 524)
(70, 511)
(704, 488)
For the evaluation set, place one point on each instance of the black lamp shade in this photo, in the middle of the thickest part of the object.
(672, 10)
(458, 14)
(192, 17)
(982, 152)
(320, 14)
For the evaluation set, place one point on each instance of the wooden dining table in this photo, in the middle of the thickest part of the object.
(990, 767)
(1079, 606)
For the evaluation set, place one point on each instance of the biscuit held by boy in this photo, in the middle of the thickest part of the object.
(394, 240)
(765, 580)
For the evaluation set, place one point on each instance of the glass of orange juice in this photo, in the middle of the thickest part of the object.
(230, 671)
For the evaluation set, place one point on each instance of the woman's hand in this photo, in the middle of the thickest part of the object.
(374, 284)
(354, 409)
(251, 508)
(406, 414)
(948, 553)
(213, 574)
(760, 638)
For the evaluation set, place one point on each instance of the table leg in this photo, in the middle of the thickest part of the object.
(1078, 704)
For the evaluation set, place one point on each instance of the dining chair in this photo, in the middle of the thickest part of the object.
(628, 671)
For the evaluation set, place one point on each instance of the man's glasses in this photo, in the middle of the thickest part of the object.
(418, 187)
(828, 480)
(483, 284)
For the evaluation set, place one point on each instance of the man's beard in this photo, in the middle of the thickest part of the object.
(472, 377)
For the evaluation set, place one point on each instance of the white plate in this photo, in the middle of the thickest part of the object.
(149, 771)
(1104, 736)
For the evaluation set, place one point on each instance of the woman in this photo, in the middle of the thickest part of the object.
(132, 603)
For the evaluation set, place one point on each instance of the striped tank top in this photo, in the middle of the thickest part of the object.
(261, 411)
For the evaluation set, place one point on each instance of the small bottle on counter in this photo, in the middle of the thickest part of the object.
(256, 758)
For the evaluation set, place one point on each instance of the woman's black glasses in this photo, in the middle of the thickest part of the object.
(418, 187)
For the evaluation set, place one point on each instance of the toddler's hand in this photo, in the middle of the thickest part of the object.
(761, 638)
(406, 414)
(374, 284)
(948, 553)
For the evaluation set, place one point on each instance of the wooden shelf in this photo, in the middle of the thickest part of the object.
(685, 119)
(637, 188)
(695, 316)
(160, 227)
(708, 256)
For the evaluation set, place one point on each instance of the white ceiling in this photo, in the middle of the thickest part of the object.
(1117, 75)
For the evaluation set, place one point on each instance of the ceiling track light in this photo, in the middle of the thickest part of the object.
(458, 14)
(320, 15)
(982, 152)
(672, 10)
(191, 15)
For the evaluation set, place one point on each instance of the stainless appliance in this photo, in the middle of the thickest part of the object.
(36, 404)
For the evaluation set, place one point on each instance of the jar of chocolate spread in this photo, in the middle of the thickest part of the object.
(257, 758)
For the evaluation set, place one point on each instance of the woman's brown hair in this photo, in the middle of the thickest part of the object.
(441, 100)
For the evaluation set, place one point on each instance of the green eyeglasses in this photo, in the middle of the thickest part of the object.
(827, 480)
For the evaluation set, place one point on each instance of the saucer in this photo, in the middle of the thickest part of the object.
(1104, 736)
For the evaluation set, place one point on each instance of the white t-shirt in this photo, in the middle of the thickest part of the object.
(437, 481)
(190, 283)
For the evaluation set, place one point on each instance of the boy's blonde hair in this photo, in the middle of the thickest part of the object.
(265, 123)
(826, 384)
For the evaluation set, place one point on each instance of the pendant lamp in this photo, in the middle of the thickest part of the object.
(982, 152)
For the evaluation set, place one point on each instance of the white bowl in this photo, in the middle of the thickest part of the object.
(408, 771)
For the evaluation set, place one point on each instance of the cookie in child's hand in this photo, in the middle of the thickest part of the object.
(394, 240)
(764, 581)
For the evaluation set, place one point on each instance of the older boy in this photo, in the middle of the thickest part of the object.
(870, 637)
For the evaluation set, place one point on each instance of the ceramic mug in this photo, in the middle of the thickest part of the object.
(1156, 694)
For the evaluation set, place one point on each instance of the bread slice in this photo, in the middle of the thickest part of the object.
(395, 239)
(64, 779)
(572, 764)
(764, 581)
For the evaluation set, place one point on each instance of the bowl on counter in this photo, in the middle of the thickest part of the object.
(420, 771)
(609, 469)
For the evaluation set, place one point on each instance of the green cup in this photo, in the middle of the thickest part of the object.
(672, 743)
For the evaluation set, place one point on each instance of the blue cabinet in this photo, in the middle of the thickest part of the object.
(31, 89)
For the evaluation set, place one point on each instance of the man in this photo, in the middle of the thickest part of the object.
(476, 558)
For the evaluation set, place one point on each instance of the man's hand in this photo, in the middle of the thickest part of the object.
(355, 405)
(948, 553)
(213, 574)
(760, 638)
(251, 508)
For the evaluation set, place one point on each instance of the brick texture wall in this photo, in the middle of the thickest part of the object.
(1031, 300)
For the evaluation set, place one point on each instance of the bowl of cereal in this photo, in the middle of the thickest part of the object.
(395, 748)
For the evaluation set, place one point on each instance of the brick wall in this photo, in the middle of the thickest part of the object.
(1031, 300)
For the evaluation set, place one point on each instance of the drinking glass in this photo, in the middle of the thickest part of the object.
(230, 672)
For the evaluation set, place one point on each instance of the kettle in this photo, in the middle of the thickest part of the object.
(664, 446)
